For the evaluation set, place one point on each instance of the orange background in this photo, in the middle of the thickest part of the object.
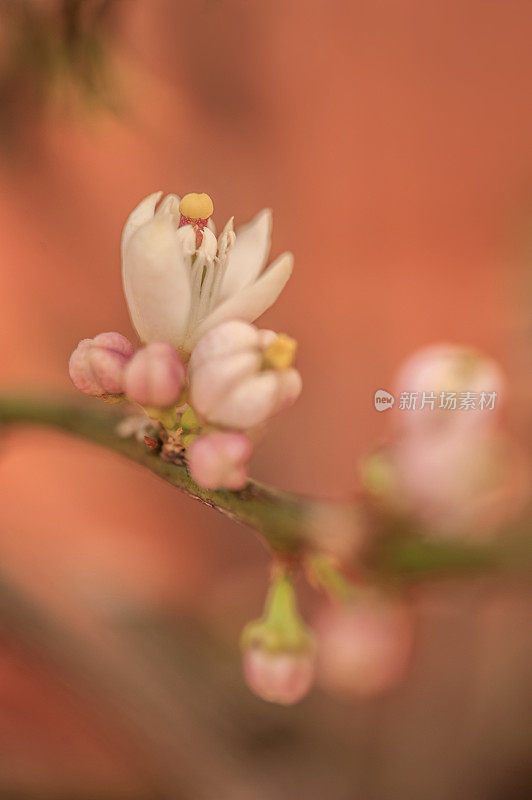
(393, 141)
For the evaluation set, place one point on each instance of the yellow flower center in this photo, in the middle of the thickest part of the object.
(280, 354)
(196, 206)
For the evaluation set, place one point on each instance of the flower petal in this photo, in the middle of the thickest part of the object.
(251, 301)
(226, 339)
(250, 403)
(155, 272)
(141, 214)
(210, 383)
(290, 385)
(249, 253)
(170, 205)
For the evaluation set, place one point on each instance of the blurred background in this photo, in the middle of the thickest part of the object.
(394, 142)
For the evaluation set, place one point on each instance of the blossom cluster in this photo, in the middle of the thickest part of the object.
(207, 381)
(204, 375)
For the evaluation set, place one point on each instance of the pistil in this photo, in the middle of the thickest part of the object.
(195, 209)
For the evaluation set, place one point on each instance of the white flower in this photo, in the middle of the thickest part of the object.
(240, 376)
(180, 281)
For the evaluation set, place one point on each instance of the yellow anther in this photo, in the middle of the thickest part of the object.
(196, 206)
(280, 354)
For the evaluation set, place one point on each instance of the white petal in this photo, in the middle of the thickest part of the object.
(266, 337)
(155, 273)
(214, 380)
(254, 400)
(251, 402)
(141, 214)
(252, 301)
(289, 389)
(170, 205)
(224, 340)
(249, 253)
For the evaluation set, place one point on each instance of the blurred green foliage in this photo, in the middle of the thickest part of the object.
(53, 52)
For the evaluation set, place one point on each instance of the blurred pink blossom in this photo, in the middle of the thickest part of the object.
(458, 484)
(442, 377)
(363, 648)
(448, 466)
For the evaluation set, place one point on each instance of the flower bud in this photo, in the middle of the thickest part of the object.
(97, 365)
(218, 460)
(278, 651)
(447, 466)
(447, 387)
(155, 376)
(364, 647)
(459, 485)
(241, 376)
(283, 678)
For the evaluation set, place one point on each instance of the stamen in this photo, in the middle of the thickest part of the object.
(226, 241)
(280, 354)
(195, 291)
(206, 289)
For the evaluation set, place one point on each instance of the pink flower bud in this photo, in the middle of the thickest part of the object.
(448, 467)
(461, 485)
(219, 460)
(278, 677)
(97, 365)
(155, 376)
(278, 650)
(241, 376)
(447, 387)
(364, 648)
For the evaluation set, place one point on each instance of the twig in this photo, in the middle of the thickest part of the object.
(290, 525)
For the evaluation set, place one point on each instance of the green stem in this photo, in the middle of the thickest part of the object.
(276, 515)
(283, 521)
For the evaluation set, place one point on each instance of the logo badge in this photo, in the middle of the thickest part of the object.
(383, 400)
